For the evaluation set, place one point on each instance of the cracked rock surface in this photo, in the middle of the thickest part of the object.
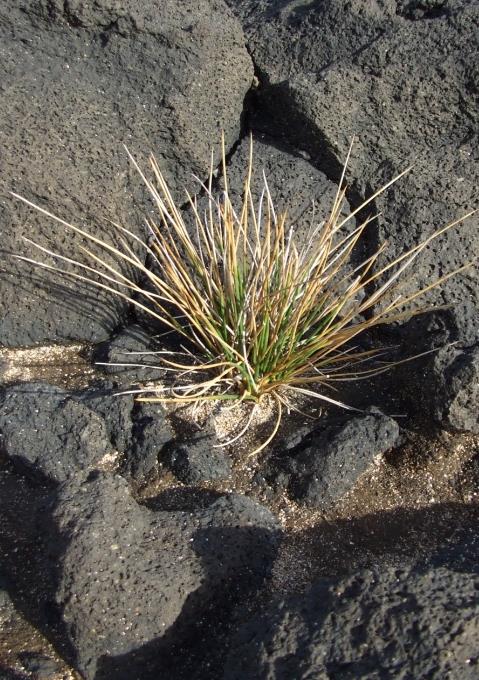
(403, 79)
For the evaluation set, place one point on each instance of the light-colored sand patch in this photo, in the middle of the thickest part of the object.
(66, 366)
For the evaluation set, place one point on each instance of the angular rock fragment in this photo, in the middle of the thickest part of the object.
(329, 461)
(196, 459)
(454, 388)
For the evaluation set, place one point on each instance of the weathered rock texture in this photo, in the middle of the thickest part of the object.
(50, 433)
(325, 464)
(384, 623)
(197, 458)
(147, 591)
(130, 574)
(403, 77)
(79, 80)
(453, 389)
(58, 434)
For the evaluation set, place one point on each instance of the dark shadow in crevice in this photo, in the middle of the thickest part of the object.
(276, 115)
(183, 499)
(274, 112)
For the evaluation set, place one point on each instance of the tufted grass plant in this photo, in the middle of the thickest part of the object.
(261, 311)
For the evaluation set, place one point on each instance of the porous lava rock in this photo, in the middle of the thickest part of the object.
(402, 78)
(327, 463)
(388, 622)
(130, 575)
(150, 430)
(116, 411)
(78, 80)
(137, 431)
(196, 458)
(454, 387)
(150, 433)
(57, 434)
(51, 434)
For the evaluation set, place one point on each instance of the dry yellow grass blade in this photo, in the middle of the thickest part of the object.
(261, 313)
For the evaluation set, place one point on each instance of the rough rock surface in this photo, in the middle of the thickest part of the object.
(195, 459)
(127, 590)
(136, 430)
(384, 623)
(59, 434)
(151, 431)
(295, 184)
(402, 79)
(129, 574)
(78, 80)
(455, 388)
(23, 508)
(327, 463)
(132, 345)
(52, 434)
(117, 412)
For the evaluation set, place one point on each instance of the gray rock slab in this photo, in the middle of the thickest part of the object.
(79, 80)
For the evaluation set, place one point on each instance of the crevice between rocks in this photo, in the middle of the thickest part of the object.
(264, 104)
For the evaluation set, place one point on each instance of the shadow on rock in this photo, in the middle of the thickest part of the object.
(182, 498)
(194, 647)
(89, 314)
(392, 537)
(27, 530)
(119, 588)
